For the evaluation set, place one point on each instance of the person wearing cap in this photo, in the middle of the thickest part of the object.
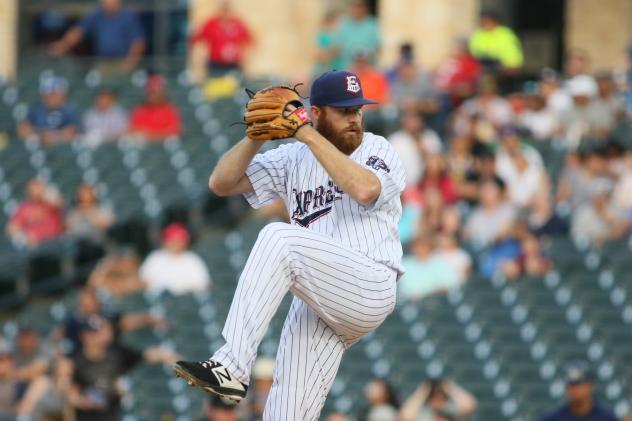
(174, 268)
(116, 34)
(580, 403)
(586, 118)
(157, 118)
(52, 119)
(106, 121)
(340, 256)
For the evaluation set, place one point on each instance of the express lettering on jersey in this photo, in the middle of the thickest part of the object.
(313, 204)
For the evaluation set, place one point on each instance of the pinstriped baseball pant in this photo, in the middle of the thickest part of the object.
(339, 296)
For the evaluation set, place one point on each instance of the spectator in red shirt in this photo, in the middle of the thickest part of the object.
(38, 218)
(458, 75)
(435, 176)
(157, 118)
(227, 38)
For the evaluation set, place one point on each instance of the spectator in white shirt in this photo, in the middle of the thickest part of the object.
(106, 121)
(412, 142)
(492, 220)
(174, 268)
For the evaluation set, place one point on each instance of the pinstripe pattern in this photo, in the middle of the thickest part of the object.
(339, 259)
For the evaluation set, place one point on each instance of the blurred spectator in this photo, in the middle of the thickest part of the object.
(253, 405)
(115, 32)
(538, 119)
(557, 99)
(492, 219)
(458, 74)
(117, 273)
(577, 63)
(31, 359)
(580, 402)
(405, 56)
(520, 167)
(96, 390)
(220, 409)
(438, 400)
(87, 220)
(106, 120)
(38, 218)
(622, 195)
(383, 404)
(411, 142)
(89, 305)
(337, 416)
(583, 173)
(436, 175)
(586, 117)
(52, 119)
(448, 249)
(481, 115)
(51, 23)
(174, 268)
(628, 99)
(327, 48)
(413, 89)
(531, 260)
(459, 158)
(607, 97)
(436, 216)
(598, 220)
(46, 397)
(8, 383)
(543, 219)
(227, 38)
(358, 32)
(156, 118)
(496, 45)
(426, 272)
(374, 82)
(483, 169)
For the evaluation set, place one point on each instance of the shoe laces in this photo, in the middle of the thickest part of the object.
(209, 363)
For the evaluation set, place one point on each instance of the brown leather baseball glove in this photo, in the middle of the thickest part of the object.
(275, 112)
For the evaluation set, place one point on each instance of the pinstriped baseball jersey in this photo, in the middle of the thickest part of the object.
(313, 201)
(338, 258)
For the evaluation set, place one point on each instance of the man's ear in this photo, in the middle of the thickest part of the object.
(315, 112)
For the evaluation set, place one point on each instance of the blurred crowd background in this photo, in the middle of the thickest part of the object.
(115, 260)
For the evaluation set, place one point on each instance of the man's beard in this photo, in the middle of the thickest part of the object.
(346, 140)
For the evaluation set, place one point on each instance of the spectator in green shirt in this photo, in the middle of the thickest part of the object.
(327, 48)
(496, 45)
(358, 32)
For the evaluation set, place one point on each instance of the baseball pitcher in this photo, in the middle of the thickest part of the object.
(340, 256)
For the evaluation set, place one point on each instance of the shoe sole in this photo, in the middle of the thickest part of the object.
(194, 381)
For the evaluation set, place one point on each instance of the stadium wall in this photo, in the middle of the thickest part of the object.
(8, 38)
(603, 28)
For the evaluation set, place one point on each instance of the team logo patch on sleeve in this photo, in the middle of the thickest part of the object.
(377, 163)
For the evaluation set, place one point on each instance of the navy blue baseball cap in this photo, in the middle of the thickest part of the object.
(338, 88)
